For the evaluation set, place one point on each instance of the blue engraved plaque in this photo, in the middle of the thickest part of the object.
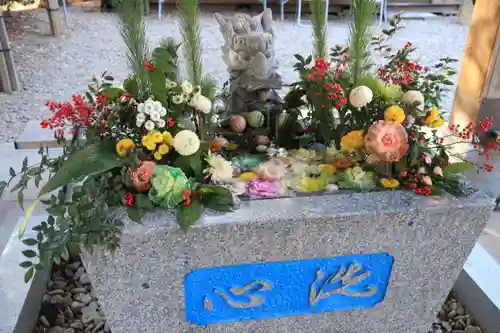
(276, 289)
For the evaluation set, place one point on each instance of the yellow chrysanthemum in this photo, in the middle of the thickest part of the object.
(148, 142)
(432, 115)
(157, 137)
(437, 123)
(246, 176)
(163, 149)
(124, 146)
(157, 156)
(328, 168)
(390, 183)
(395, 114)
(167, 138)
(352, 141)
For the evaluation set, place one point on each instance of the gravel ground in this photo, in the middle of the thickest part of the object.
(71, 306)
(55, 68)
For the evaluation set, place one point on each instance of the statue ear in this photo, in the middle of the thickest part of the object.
(267, 20)
(221, 20)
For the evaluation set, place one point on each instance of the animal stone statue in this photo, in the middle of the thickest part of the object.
(248, 51)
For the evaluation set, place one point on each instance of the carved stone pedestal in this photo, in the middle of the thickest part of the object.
(363, 263)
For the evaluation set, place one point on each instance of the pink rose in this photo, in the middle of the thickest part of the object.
(386, 142)
(426, 180)
(141, 177)
(438, 171)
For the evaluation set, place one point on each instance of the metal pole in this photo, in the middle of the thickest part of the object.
(7, 55)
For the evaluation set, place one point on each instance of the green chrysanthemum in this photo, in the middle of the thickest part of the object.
(168, 185)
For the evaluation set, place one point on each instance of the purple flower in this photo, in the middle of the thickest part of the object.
(258, 188)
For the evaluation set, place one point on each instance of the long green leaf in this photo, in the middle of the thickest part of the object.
(190, 30)
(94, 159)
(318, 9)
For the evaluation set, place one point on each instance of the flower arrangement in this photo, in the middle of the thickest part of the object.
(149, 143)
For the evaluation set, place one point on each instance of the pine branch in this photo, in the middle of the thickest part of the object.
(362, 15)
(190, 31)
(209, 87)
(170, 46)
(318, 9)
(133, 31)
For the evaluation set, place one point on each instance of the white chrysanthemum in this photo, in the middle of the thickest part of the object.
(140, 108)
(187, 87)
(178, 99)
(149, 125)
(140, 119)
(360, 96)
(149, 106)
(171, 85)
(412, 96)
(219, 169)
(162, 111)
(186, 142)
(201, 103)
(154, 115)
(160, 123)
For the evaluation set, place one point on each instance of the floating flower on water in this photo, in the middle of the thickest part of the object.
(201, 103)
(330, 188)
(168, 185)
(413, 96)
(360, 96)
(246, 176)
(438, 171)
(186, 142)
(357, 178)
(140, 177)
(187, 87)
(391, 183)
(395, 114)
(259, 188)
(352, 142)
(386, 142)
(124, 146)
(178, 99)
(219, 169)
(271, 170)
(328, 168)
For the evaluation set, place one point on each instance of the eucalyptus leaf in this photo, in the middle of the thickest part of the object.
(29, 274)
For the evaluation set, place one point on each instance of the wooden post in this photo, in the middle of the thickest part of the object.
(4, 71)
(7, 55)
(477, 63)
(55, 17)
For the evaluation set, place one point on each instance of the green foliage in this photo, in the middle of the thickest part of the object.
(190, 30)
(362, 15)
(94, 159)
(318, 9)
(209, 87)
(457, 168)
(133, 31)
(165, 58)
(216, 197)
(188, 215)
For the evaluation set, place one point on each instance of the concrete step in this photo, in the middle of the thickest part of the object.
(33, 136)
(20, 302)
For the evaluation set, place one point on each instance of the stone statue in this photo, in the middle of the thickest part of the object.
(248, 51)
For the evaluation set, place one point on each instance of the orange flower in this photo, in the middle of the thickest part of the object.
(141, 177)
